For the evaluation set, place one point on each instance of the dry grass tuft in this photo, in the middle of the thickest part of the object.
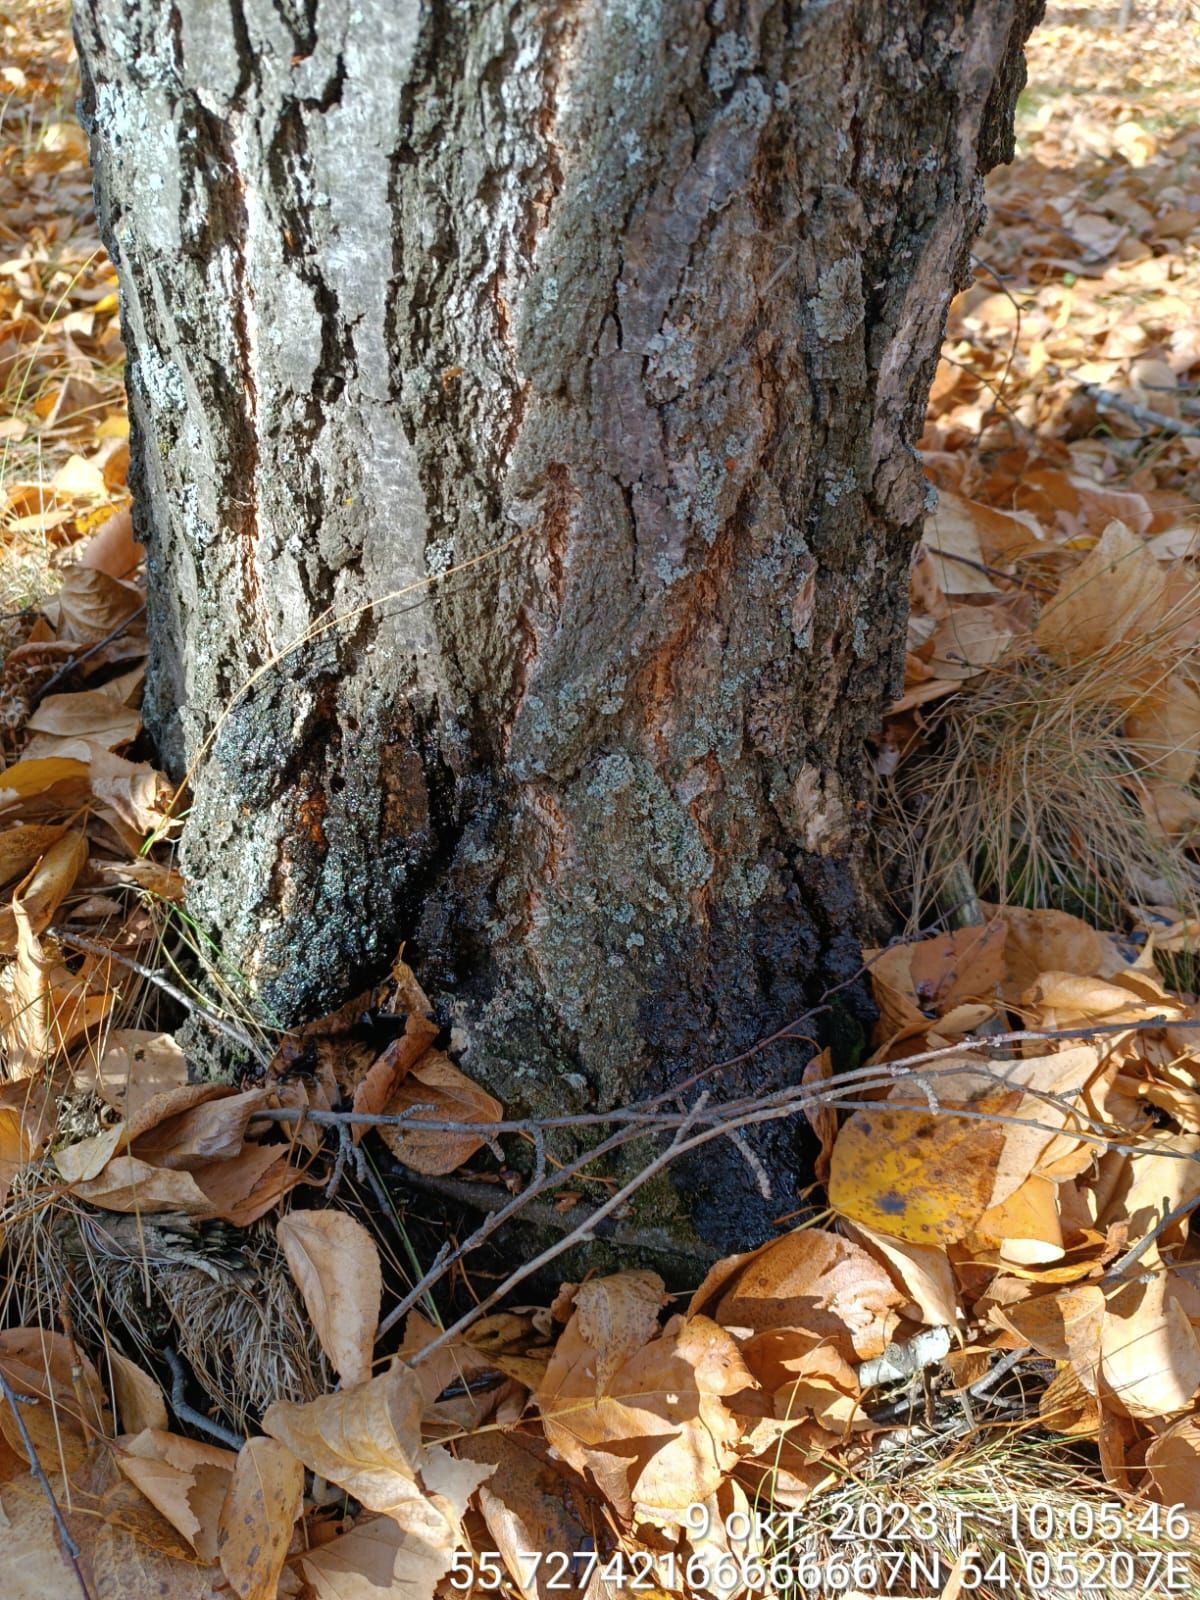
(221, 1298)
(1030, 782)
(1036, 1520)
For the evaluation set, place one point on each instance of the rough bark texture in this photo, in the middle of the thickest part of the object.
(643, 296)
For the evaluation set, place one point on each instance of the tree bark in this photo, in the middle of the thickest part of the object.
(634, 305)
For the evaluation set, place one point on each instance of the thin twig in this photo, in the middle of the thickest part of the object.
(1120, 1266)
(443, 1262)
(638, 1112)
(77, 661)
(678, 1146)
(70, 1548)
(229, 1029)
(1000, 1370)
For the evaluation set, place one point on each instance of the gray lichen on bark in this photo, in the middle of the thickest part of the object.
(644, 297)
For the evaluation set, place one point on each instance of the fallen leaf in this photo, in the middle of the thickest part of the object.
(952, 537)
(923, 1176)
(435, 1081)
(245, 1188)
(525, 1509)
(821, 1118)
(183, 1479)
(968, 640)
(112, 549)
(661, 1437)
(96, 714)
(23, 845)
(1115, 591)
(214, 1130)
(25, 1020)
(140, 1402)
(127, 1184)
(90, 605)
(810, 1279)
(617, 1315)
(1173, 1460)
(335, 1263)
(135, 1066)
(1065, 1326)
(35, 1567)
(45, 888)
(83, 1160)
(391, 1067)
(1149, 1351)
(377, 1558)
(62, 783)
(264, 1499)
(922, 1271)
(1162, 729)
(70, 1412)
(368, 1441)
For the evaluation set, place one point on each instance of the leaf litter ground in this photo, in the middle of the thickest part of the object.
(975, 1370)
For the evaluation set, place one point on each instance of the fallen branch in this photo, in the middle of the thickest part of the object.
(189, 1414)
(721, 1119)
(1107, 401)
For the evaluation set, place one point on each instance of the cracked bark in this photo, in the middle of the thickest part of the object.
(644, 298)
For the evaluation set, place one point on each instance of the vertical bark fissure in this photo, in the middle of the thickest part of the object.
(644, 297)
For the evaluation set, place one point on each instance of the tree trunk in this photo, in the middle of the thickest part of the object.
(617, 319)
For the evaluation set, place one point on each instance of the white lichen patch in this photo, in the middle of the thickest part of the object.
(838, 306)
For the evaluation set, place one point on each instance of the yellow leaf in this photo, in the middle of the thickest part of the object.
(27, 779)
(923, 1176)
(80, 479)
